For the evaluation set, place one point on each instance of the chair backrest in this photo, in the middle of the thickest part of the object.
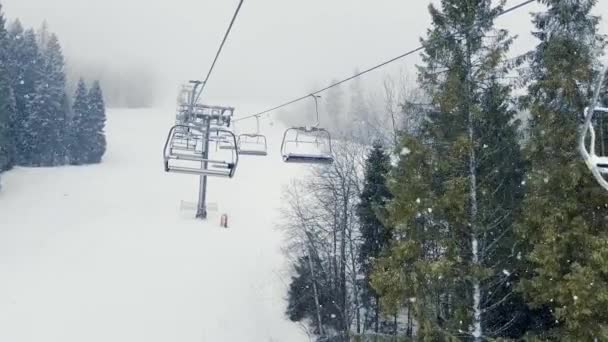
(252, 145)
(310, 145)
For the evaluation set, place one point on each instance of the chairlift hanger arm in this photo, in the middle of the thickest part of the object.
(316, 97)
(590, 158)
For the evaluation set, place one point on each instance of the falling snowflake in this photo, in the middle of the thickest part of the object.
(430, 210)
(485, 146)
(546, 180)
(505, 272)
(575, 297)
(405, 151)
(418, 200)
(333, 316)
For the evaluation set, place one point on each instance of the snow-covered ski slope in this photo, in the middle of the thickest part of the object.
(103, 253)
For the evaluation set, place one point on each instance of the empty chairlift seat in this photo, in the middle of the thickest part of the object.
(253, 144)
(307, 145)
(188, 151)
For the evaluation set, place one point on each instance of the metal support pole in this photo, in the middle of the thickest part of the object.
(201, 212)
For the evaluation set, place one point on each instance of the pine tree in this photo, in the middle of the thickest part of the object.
(77, 137)
(43, 37)
(7, 108)
(302, 304)
(7, 147)
(24, 69)
(375, 236)
(457, 185)
(53, 85)
(95, 124)
(3, 39)
(564, 221)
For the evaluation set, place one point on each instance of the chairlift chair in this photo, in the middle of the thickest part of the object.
(224, 141)
(598, 164)
(253, 144)
(309, 144)
(193, 159)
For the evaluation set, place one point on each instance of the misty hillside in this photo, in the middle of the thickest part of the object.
(125, 86)
(307, 171)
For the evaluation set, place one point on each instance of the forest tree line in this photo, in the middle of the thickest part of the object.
(41, 125)
(470, 225)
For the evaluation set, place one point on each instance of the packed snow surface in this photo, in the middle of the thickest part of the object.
(104, 253)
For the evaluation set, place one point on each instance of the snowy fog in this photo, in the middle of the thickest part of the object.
(274, 53)
(349, 170)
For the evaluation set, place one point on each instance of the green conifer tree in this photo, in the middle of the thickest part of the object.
(24, 69)
(375, 236)
(95, 124)
(457, 185)
(564, 221)
(78, 137)
(7, 105)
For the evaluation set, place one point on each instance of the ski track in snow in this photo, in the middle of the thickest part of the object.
(103, 253)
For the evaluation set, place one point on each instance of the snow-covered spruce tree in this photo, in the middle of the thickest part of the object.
(46, 112)
(457, 186)
(24, 68)
(78, 137)
(94, 123)
(7, 108)
(374, 235)
(7, 105)
(53, 83)
(564, 220)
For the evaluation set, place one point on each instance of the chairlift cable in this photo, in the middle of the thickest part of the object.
(219, 51)
(383, 64)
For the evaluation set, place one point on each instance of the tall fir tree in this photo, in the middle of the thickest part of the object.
(48, 111)
(457, 186)
(54, 69)
(95, 124)
(7, 147)
(7, 108)
(78, 137)
(310, 297)
(564, 221)
(24, 69)
(374, 234)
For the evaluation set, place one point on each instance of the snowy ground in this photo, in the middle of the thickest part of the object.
(103, 253)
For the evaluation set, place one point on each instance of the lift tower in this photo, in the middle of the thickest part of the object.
(201, 143)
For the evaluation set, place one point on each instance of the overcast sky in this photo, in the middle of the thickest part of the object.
(279, 48)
